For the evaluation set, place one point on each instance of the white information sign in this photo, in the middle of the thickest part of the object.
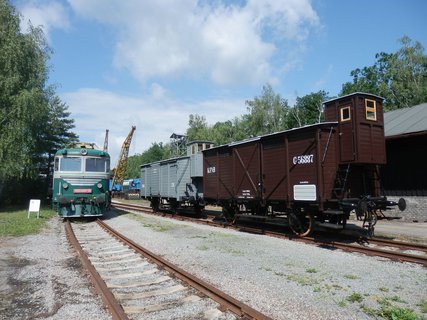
(34, 207)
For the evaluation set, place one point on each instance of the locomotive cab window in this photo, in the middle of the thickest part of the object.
(96, 165)
(345, 114)
(56, 164)
(371, 110)
(70, 164)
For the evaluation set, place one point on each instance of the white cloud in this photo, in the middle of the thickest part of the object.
(156, 116)
(46, 14)
(226, 43)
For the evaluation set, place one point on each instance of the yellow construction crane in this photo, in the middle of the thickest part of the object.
(119, 173)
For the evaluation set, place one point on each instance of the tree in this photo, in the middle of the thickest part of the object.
(267, 113)
(198, 128)
(307, 110)
(23, 103)
(400, 77)
(56, 135)
(156, 152)
(33, 119)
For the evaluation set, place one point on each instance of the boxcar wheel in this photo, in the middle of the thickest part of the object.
(301, 223)
(155, 205)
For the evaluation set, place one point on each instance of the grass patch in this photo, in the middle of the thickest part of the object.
(397, 299)
(370, 311)
(221, 235)
(423, 306)
(203, 248)
(396, 313)
(311, 270)
(389, 311)
(152, 224)
(157, 227)
(351, 276)
(15, 223)
(341, 303)
(303, 280)
(355, 297)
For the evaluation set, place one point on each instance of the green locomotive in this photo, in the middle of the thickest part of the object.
(81, 181)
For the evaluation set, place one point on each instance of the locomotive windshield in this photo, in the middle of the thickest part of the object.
(74, 164)
(70, 164)
(97, 165)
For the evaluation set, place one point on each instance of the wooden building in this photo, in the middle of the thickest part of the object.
(405, 174)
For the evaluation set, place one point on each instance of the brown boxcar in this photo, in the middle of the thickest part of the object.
(313, 173)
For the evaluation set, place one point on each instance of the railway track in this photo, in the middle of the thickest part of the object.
(393, 250)
(135, 283)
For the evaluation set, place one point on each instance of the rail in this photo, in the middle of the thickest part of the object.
(359, 245)
(227, 302)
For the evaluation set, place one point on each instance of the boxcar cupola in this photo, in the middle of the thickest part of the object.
(360, 127)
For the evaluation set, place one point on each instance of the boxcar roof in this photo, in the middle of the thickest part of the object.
(353, 94)
(164, 161)
(406, 121)
(303, 128)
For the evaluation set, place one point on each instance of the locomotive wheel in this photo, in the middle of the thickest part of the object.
(301, 224)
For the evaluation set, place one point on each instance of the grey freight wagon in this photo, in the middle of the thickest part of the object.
(176, 183)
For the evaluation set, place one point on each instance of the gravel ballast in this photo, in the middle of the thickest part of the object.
(284, 279)
(41, 277)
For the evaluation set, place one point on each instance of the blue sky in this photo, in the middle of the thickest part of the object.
(152, 63)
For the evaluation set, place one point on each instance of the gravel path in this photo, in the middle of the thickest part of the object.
(284, 279)
(41, 278)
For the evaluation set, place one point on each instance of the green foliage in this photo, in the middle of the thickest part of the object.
(307, 110)
(391, 312)
(351, 276)
(156, 152)
(400, 77)
(32, 118)
(198, 128)
(303, 280)
(16, 223)
(341, 303)
(267, 113)
(355, 297)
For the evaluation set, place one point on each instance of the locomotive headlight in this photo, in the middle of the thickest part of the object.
(65, 185)
(99, 185)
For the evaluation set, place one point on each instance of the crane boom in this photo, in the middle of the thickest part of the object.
(106, 141)
(119, 173)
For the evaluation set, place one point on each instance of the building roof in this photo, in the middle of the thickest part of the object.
(406, 121)
(353, 94)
